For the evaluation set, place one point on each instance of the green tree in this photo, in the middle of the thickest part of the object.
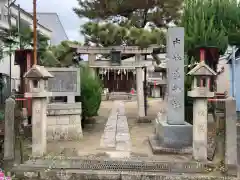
(125, 20)
(211, 23)
(63, 53)
(112, 35)
(135, 12)
(91, 91)
(13, 39)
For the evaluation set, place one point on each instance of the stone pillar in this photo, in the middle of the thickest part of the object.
(175, 74)
(172, 133)
(39, 126)
(9, 135)
(91, 62)
(230, 132)
(139, 82)
(200, 129)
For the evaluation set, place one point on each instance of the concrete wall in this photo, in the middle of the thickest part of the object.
(224, 81)
(237, 83)
(64, 121)
(224, 78)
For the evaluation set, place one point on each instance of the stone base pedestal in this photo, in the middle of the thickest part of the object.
(64, 122)
(145, 119)
(171, 138)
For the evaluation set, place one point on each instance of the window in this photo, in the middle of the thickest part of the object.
(201, 82)
(35, 83)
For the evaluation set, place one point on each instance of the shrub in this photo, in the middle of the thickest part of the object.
(1, 116)
(91, 91)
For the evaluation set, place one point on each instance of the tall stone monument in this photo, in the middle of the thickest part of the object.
(38, 82)
(172, 133)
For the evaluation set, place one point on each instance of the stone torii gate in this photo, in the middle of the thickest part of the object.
(93, 51)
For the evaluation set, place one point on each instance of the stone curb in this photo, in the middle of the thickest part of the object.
(112, 175)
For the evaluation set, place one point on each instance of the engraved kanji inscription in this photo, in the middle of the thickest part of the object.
(176, 41)
(201, 113)
(176, 57)
(176, 74)
(176, 89)
(175, 103)
(201, 128)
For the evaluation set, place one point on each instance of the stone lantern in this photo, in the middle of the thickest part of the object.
(200, 93)
(37, 78)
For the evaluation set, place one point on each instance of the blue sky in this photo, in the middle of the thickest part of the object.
(63, 8)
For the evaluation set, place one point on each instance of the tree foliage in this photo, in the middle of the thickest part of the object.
(109, 34)
(125, 21)
(13, 39)
(91, 91)
(63, 53)
(211, 23)
(138, 13)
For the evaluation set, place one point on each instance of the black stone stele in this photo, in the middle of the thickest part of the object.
(116, 57)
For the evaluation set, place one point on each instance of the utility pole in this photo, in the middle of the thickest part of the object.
(34, 32)
(233, 72)
(19, 26)
(10, 45)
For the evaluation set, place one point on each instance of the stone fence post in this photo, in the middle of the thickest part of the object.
(9, 135)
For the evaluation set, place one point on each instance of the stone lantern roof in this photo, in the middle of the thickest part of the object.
(202, 69)
(38, 72)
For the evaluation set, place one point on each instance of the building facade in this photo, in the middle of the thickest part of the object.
(8, 68)
(225, 82)
(52, 22)
(123, 78)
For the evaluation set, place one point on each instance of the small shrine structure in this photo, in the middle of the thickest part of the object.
(119, 77)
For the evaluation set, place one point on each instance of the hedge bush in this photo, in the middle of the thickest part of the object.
(91, 91)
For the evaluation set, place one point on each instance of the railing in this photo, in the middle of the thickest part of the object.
(218, 102)
(21, 101)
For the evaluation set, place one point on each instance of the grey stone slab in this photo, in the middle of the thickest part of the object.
(158, 148)
(66, 81)
(231, 132)
(116, 133)
(175, 74)
(174, 136)
(122, 137)
(9, 132)
(123, 146)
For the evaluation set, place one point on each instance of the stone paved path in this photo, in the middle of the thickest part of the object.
(116, 137)
(89, 146)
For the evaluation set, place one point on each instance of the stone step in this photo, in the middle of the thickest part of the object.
(116, 164)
